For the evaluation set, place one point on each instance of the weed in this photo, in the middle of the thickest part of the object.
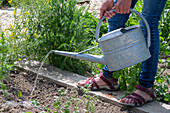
(35, 102)
(5, 67)
(73, 101)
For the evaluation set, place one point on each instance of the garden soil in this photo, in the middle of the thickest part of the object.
(19, 87)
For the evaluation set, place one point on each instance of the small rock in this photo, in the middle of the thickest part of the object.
(123, 109)
(12, 75)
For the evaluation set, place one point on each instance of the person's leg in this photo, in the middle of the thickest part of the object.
(117, 21)
(152, 10)
(152, 14)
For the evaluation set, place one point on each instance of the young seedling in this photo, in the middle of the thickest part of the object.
(62, 93)
(75, 100)
(35, 102)
(89, 103)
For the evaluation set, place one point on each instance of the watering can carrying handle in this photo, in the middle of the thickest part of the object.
(134, 11)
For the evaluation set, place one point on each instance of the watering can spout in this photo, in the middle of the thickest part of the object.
(87, 57)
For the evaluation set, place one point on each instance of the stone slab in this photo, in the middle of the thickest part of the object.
(69, 79)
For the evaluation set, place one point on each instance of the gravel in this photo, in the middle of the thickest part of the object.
(6, 18)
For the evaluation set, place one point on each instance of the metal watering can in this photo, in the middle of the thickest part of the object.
(121, 48)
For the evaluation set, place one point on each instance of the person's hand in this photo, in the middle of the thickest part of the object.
(122, 6)
(105, 7)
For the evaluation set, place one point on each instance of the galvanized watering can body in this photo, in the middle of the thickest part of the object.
(121, 48)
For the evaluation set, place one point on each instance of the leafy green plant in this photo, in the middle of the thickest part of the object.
(19, 94)
(164, 30)
(128, 77)
(58, 99)
(161, 85)
(4, 66)
(35, 102)
(75, 100)
(89, 103)
(47, 25)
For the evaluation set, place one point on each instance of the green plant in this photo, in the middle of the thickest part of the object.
(128, 77)
(89, 103)
(58, 103)
(35, 102)
(19, 94)
(47, 25)
(165, 31)
(4, 66)
(161, 85)
(75, 100)
(17, 3)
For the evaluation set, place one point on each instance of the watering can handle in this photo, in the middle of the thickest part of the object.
(134, 11)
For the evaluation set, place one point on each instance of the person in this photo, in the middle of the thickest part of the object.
(151, 11)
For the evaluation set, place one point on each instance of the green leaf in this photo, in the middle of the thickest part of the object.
(62, 45)
(19, 94)
(166, 99)
(35, 102)
(100, 66)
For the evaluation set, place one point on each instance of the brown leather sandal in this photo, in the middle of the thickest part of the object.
(138, 99)
(94, 86)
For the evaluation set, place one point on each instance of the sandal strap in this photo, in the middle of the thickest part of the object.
(136, 99)
(150, 93)
(106, 81)
(139, 96)
(87, 81)
(94, 82)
